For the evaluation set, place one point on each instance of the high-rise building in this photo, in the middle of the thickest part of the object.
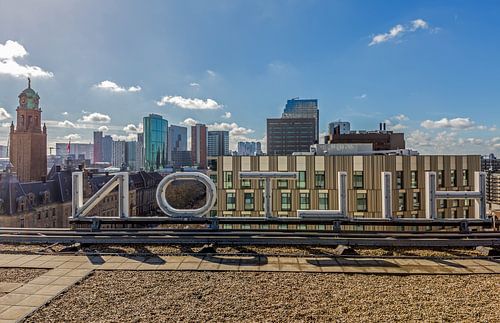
(119, 154)
(286, 136)
(3, 151)
(303, 108)
(98, 146)
(28, 141)
(218, 143)
(131, 155)
(155, 142)
(199, 145)
(381, 139)
(139, 151)
(340, 127)
(249, 148)
(177, 140)
(107, 148)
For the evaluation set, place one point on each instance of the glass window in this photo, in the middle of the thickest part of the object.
(213, 177)
(319, 179)
(282, 183)
(442, 203)
(465, 177)
(416, 200)
(248, 197)
(361, 202)
(453, 178)
(323, 201)
(399, 180)
(440, 178)
(414, 179)
(357, 179)
(402, 202)
(453, 214)
(466, 212)
(246, 183)
(286, 201)
(454, 203)
(262, 183)
(304, 201)
(466, 202)
(228, 180)
(230, 201)
(301, 181)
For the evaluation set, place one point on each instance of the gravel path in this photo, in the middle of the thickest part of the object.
(255, 297)
(19, 275)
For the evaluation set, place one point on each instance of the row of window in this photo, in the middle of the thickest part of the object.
(357, 180)
(305, 202)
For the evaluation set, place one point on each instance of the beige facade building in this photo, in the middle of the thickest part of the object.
(317, 187)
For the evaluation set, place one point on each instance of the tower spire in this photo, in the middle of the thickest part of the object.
(29, 83)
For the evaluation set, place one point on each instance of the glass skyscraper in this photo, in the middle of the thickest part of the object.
(303, 108)
(155, 142)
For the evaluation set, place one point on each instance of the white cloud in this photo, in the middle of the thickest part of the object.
(398, 31)
(188, 103)
(194, 84)
(128, 137)
(211, 73)
(66, 124)
(401, 117)
(233, 128)
(361, 97)
(132, 128)
(103, 128)
(96, 117)
(456, 123)
(8, 64)
(5, 125)
(398, 126)
(65, 113)
(4, 114)
(113, 87)
(72, 136)
(226, 115)
(189, 122)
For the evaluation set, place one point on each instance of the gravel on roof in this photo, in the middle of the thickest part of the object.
(19, 275)
(131, 296)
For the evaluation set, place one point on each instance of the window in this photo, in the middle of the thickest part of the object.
(399, 180)
(414, 179)
(246, 183)
(402, 202)
(454, 203)
(248, 197)
(230, 202)
(466, 202)
(228, 180)
(301, 182)
(466, 212)
(416, 200)
(286, 201)
(440, 178)
(442, 203)
(323, 201)
(453, 178)
(213, 177)
(465, 177)
(319, 179)
(440, 215)
(262, 183)
(357, 179)
(454, 214)
(282, 183)
(304, 201)
(361, 202)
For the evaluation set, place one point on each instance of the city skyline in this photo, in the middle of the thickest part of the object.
(420, 68)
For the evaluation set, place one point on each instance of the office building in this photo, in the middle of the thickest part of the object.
(107, 148)
(177, 140)
(139, 152)
(303, 109)
(249, 148)
(317, 189)
(199, 145)
(286, 136)
(28, 140)
(218, 143)
(181, 158)
(155, 142)
(381, 139)
(340, 127)
(119, 154)
(98, 147)
(4, 151)
(131, 155)
(75, 150)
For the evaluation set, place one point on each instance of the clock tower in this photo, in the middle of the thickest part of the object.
(28, 141)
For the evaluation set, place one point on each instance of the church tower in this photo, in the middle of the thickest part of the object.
(28, 141)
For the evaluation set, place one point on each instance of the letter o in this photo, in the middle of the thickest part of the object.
(177, 213)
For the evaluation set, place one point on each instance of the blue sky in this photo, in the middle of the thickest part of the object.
(430, 68)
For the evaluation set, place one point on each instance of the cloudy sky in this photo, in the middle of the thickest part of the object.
(428, 68)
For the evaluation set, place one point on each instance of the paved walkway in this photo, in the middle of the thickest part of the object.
(21, 300)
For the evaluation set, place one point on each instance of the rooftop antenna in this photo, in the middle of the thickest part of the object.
(29, 83)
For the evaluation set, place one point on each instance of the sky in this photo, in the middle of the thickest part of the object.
(428, 68)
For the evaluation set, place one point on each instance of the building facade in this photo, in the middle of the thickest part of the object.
(317, 187)
(28, 140)
(249, 148)
(340, 127)
(155, 142)
(199, 145)
(218, 143)
(75, 150)
(177, 140)
(139, 152)
(286, 136)
(303, 108)
(380, 140)
(119, 153)
(97, 147)
(107, 148)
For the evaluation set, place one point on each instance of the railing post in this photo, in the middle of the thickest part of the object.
(430, 195)
(76, 193)
(480, 187)
(386, 179)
